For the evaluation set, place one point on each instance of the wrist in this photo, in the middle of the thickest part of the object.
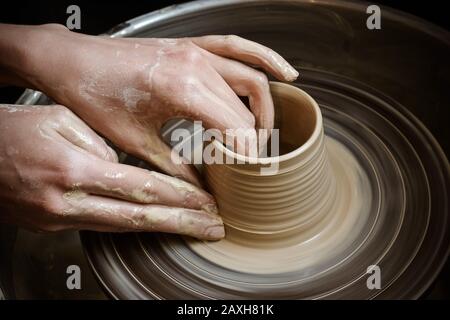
(32, 56)
(12, 51)
(44, 56)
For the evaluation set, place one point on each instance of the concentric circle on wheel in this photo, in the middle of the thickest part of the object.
(405, 233)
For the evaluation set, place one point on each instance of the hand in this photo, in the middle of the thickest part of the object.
(56, 173)
(126, 89)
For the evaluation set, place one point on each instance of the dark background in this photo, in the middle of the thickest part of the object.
(100, 16)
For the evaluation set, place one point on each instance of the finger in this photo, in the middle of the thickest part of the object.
(148, 145)
(246, 81)
(217, 85)
(243, 137)
(250, 52)
(151, 41)
(161, 156)
(101, 213)
(139, 185)
(234, 47)
(216, 113)
(78, 133)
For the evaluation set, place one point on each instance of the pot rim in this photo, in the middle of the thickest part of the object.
(316, 134)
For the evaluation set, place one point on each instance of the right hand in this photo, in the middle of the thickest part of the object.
(56, 173)
(126, 89)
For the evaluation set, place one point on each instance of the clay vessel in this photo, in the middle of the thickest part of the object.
(271, 198)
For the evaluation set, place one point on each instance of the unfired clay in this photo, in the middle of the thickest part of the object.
(295, 217)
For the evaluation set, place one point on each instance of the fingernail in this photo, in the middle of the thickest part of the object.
(112, 154)
(215, 233)
(210, 208)
(198, 224)
(291, 73)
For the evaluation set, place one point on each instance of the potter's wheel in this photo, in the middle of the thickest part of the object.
(384, 75)
(404, 234)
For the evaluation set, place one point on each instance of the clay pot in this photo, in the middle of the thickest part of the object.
(373, 137)
(264, 199)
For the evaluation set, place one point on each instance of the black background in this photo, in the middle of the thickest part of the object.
(100, 16)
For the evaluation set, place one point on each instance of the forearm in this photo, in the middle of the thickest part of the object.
(32, 56)
(13, 55)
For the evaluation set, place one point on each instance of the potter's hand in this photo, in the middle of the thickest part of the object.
(56, 173)
(127, 89)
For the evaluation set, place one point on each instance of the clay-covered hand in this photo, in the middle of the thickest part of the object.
(56, 173)
(126, 89)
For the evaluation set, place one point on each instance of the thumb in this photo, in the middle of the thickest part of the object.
(161, 156)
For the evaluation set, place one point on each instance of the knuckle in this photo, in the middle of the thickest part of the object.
(111, 155)
(52, 206)
(68, 174)
(139, 220)
(232, 39)
(60, 112)
(190, 54)
(189, 82)
(261, 79)
(59, 108)
(105, 152)
(185, 84)
(55, 26)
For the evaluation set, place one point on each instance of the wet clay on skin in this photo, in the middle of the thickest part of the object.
(312, 208)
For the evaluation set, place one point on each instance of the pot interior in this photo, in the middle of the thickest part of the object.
(295, 117)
